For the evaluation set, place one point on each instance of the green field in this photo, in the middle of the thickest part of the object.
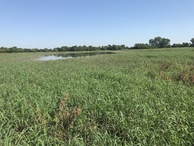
(133, 97)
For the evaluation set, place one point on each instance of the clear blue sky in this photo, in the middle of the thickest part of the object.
(56, 23)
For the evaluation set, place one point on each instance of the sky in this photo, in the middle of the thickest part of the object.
(56, 23)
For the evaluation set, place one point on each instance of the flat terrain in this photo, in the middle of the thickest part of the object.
(133, 97)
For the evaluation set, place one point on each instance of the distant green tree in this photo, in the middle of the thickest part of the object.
(141, 46)
(185, 44)
(176, 45)
(63, 48)
(55, 50)
(14, 50)
(28, 50)
(73, 48)
(159, 42)
(153, 42)
(34, 50)
(192, 41)
(46, 50)
(164, 43)
(123, 46)
(3, 50)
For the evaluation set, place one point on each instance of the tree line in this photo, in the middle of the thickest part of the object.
(157, 42)
(63, 48)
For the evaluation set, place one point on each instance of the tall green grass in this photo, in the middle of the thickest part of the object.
(134, 97)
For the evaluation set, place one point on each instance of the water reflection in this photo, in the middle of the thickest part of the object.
(70, 55)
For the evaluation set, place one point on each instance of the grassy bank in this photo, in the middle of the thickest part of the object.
(134, 97)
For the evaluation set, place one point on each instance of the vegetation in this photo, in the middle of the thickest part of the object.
(63, 48)
(192, 41)
(157, 42)
(142, 46)
(136, 97)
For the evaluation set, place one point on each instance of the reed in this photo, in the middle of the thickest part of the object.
(133, 97)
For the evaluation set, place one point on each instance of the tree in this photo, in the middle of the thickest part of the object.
(192, 41)
(156, 42)
(46, 50)
(176, 45)
(185, 44)
(164, 43)
(3, 49)
(34, 50)
(159, 42)
(152, 42)
(141, 46)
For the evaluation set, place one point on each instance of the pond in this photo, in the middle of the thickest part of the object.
(70, 55)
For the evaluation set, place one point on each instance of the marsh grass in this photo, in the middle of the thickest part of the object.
(136, 97)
